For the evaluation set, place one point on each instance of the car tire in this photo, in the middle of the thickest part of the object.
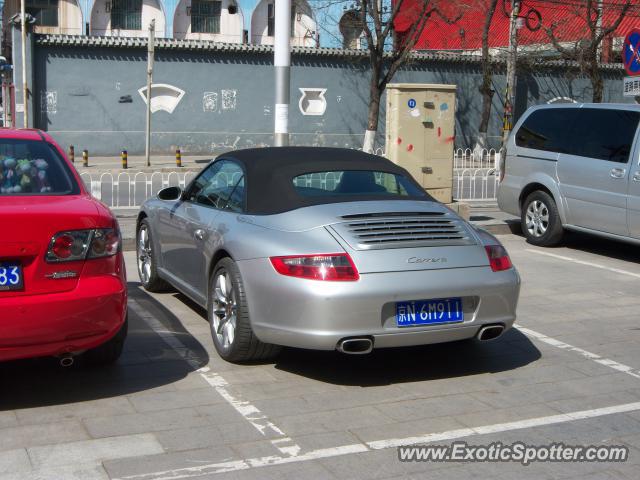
(228, 315)
(110, 351)
(146, 262)
(540, 221)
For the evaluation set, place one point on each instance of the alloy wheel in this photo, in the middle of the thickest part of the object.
(223, 323)
(145, 257)
(537, 218)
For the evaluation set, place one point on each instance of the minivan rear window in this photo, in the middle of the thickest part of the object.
(31, 167)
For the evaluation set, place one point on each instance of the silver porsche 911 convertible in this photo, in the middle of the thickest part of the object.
(323, 248)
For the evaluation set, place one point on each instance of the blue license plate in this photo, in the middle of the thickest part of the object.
(10, 276)
(429, 312)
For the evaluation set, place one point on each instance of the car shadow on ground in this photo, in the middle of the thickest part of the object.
(615, 249)
(412, 364)
(589, 243)
(147, 362)
(407, 364)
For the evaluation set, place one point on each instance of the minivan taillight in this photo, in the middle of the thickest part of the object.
(502, 164)
(330, 267)
(498, 258)
(82, 244)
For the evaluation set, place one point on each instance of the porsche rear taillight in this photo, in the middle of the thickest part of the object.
(329, 267)
(498, 258)
(83, 244)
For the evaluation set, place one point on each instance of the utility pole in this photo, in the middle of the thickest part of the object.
(282, 63)
(150, 48)
(512, 59)
(25, 91)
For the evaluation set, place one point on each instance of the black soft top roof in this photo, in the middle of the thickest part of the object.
(270, 172)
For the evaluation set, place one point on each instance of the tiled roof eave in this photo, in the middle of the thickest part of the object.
(206, 45)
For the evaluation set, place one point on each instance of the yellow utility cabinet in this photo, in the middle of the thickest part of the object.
(420, 133)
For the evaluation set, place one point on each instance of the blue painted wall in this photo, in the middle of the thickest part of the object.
(97, 104)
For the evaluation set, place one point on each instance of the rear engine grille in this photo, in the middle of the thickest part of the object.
(408, 230)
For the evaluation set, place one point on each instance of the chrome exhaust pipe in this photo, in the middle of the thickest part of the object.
(355, 346)
(490, 332)
(66, 360)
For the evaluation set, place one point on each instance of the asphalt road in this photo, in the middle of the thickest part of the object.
(171, 408)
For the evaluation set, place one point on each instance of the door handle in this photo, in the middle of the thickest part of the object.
(636, 176)
(199, 234)
(617, 172)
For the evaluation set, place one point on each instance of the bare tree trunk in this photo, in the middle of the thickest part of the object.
(373, 114)
(487, 78)
(597, 84)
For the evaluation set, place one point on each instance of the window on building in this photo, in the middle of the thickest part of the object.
(271, 19)
(44, 11)
(205, 16)
(126, 14)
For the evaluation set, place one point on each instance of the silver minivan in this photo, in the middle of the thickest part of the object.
(575, 167)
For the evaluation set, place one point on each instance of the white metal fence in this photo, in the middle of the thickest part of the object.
(475, 179)
(130, 190)
(475, 174)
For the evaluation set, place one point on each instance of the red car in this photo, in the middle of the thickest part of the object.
(63, 289)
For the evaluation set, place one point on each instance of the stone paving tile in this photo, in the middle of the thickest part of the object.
(168, 461)
(69, 472)
(8, 419)
(149, 402)
(318, 441)
(43, 434)
(154, 421)
(450, 405)
(291, 471)
(93, 451)
(587, 402)
(14, 461)
(331, 421)
(377, 464)
(406, 429)
(198, 437)
(506, 415)
(116, 406)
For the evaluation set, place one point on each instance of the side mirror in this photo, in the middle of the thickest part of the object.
(170, 193)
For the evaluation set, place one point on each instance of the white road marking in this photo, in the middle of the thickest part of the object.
(565, 346)
(250, 412)
(591, 356)
(582, 262)
(250, 463)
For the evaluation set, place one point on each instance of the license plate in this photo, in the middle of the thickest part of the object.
(429, 312)
(10, 276)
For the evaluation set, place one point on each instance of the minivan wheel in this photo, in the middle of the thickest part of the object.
(228, 315)
(540, 221)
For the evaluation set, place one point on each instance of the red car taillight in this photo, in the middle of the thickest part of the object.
(82, 244)
(330, 267)
(498, 258)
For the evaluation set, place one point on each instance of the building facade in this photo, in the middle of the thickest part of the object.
(228, 21)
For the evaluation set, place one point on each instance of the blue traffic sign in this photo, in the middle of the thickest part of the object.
(631, 52)
(412, 103)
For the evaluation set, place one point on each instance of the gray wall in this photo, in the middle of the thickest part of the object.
(83, 85)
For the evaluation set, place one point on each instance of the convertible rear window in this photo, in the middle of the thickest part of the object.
(355, 183)
(29, 167)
